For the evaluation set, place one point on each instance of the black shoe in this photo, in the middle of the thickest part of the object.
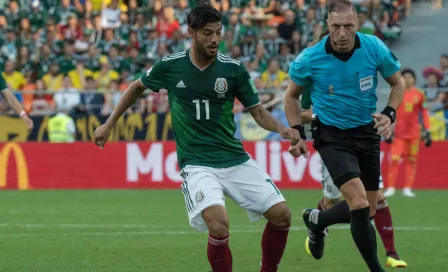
(315, 241)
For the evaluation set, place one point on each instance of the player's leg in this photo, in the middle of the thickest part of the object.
(384, 226)
(254, 191)
(205, 201)
(396, 151)
(411, 167)
(330, 190)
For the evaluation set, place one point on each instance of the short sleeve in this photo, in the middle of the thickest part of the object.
(300, 70)
(153, 78)
(388, 64)
(3, 85)
(247, 93)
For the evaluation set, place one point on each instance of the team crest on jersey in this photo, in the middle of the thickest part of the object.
(199, 196)
(221, 87)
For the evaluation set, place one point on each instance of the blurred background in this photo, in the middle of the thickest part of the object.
(80, 55)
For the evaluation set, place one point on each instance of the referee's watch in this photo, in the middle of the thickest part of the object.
(391, 113)
(301, 130)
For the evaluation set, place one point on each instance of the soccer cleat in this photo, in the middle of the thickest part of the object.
(389, 192)
(408, 192)
(395, 263)
(315, 242)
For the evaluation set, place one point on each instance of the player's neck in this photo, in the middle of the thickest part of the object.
(199, 61)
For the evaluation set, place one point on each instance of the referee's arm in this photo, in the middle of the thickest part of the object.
(396, 83)
(293, 108)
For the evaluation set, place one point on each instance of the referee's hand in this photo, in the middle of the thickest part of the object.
(299, 149)
(383, 125)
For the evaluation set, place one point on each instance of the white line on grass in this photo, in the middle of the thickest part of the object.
(164, 227)
(149, 233)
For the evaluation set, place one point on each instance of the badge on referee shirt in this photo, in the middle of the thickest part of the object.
(330, 89)
(366, 84)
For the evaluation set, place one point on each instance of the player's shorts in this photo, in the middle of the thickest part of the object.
(404, 148)
(350, 153)
(246, 184)
(331, 191)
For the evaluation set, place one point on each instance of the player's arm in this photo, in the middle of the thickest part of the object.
(153, 79)
(14, 103)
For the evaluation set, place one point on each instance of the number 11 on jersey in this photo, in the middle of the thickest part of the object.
(198, 109)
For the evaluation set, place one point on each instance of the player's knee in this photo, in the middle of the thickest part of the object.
(281, 216)
(217, 224)
(359, 202)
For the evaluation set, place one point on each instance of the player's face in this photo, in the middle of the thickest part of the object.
(342, 28)
(409, 80)
(206, 40)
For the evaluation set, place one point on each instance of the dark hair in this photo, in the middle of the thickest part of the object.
(341, 6)
(444, 56)
(201, 15)
(409, 71)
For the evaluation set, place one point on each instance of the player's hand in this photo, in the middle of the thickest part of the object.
(101, 135)
(299, 149)
(28, 122)
(383, 124)
(290, 134)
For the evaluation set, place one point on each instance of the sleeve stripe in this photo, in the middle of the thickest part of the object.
(254, 105)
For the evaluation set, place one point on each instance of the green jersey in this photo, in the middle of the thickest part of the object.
(3, 85)
(201, 106)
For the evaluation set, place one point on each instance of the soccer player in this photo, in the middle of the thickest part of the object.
(341, 71)
(202, 85)
(332, 195)
(14, 103)
(407, 134)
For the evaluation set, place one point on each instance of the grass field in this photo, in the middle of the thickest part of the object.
(120, 231)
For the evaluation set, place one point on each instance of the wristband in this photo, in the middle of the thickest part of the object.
(391, 113)
(301, 131)
(22, 114)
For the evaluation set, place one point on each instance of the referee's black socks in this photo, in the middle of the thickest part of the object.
(364, 236)
(338, 214)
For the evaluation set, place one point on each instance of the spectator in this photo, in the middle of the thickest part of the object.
(296, 44)
(366, 26)
(13, 14)
(78, 76)
(67, 97)
(108, 42)
(9, 47)
(110, 16)
(42, 103)
(273, 77)
(53, 80)
(285, 57)
(105, 75)
(168, 24)
(286, 28)
(116, 61)
(14, 79)
(67, 62)
(433, 78)
(91, 100)
(93, 59)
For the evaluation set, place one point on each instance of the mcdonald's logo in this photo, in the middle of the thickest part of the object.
(21, 165)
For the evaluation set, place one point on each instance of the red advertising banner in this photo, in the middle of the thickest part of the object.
(154, 165)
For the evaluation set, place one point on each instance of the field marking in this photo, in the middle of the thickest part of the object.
(191, 232)
(237, 228)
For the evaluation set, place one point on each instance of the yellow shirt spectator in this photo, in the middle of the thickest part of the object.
(15, 81)
(53, 83)
(275, 80)
(75, 78)
(104, 80)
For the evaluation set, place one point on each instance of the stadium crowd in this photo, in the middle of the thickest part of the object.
(80, 55)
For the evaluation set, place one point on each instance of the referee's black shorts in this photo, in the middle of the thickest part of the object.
(350, 153)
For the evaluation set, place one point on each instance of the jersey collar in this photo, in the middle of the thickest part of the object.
(342, 56)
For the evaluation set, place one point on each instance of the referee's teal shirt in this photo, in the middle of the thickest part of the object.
(343, 86)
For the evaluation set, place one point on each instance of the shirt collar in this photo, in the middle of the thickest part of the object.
(342, 56)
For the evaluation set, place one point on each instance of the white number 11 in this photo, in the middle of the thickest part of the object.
(198, 109)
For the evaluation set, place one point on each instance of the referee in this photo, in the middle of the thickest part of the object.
(341, 71)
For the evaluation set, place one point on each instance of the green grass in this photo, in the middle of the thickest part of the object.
(120, 231)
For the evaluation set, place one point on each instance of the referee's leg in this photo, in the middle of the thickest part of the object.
(345, 169)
